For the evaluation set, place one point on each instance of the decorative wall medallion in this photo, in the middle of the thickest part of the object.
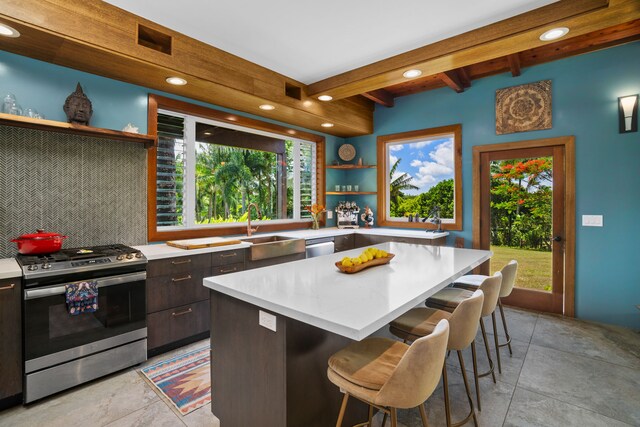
(523, 108)
(347, 152)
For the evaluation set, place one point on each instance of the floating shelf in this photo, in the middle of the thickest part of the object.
(349, 193)
(53, 126)
(351, 166)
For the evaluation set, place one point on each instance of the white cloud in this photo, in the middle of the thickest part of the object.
(416, 163)
(396, 147)
(439, 167)
(420, 144)
(392, 160)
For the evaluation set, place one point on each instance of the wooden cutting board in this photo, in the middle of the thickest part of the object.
(207, 242)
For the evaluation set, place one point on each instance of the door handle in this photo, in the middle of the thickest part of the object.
(556, 239)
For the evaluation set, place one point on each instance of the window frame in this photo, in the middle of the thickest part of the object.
(384, 168)
(156, 103)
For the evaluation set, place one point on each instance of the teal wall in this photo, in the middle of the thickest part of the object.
(585, 92)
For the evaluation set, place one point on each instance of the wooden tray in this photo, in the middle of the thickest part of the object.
(207, 242)
(373, 262)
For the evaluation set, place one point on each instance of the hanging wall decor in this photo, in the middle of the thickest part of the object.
(523, 108)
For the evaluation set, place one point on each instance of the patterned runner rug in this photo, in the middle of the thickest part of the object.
(185, 379)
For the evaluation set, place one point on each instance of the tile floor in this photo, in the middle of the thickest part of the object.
(563, 372)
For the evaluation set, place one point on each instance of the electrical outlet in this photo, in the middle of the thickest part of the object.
(592, 220)
(267, 320)
(329, 214)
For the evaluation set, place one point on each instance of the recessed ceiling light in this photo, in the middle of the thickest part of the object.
(325, 97)
(177, 81)
(7, 31)
(267, 107)
(291, 132)
(207, 133)
(554, 34)
(411, 73)
(327, 125)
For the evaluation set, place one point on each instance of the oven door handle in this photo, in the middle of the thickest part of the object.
(102, 283)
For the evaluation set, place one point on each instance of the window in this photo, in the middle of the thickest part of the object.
(206, 173)
(418, 172)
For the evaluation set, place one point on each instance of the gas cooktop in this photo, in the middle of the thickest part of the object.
(79, 259)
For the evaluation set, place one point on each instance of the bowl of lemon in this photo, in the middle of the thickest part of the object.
(368, 258)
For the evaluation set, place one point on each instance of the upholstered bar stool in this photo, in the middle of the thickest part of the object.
(463, 323)
(472, 281)
(448, 299)
(390, 375)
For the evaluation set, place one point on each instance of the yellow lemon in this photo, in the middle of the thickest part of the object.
(364, 258)
(346, 259)
(356, 261)
(369, 256)
(384, 253)
(346, 262)
(378, 254)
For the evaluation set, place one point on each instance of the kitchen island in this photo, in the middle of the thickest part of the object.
(273, 329)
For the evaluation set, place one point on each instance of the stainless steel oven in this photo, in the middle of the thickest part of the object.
(63, 350)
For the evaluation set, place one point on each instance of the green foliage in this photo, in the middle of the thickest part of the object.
(401, 182)
(521, 203)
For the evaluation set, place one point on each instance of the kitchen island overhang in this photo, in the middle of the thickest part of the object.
(279, 377)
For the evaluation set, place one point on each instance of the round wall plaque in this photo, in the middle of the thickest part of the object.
(347, 152)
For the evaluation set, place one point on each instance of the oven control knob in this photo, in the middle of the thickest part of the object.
(120, 257)
(46, 266)
(138, 254)
(32, 267)
(129, 256)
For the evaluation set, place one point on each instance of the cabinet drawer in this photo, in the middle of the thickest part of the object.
(177, 289)
(225, 269)
(227, 257)
(165, 327)
(164, 267)
(344, 243)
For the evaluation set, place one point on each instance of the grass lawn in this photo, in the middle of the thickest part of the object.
(534, 267)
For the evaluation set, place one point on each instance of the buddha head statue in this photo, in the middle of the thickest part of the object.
(78, 108)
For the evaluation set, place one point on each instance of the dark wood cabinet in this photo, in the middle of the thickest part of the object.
(344, 243)
(176, 296)
(362, 240)
(175, 324)
(10, 342)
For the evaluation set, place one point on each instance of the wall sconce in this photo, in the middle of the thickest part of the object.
(628, 113)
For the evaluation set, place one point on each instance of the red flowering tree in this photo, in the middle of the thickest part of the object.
(521, 203)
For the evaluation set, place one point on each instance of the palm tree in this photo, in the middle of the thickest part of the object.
(401, 182)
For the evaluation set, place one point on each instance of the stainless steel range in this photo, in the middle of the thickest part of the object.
(63, 350)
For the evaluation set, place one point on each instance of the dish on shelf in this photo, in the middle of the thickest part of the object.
(355, 268)
(347, 152)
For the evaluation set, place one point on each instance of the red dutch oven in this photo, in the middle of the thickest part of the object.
(39, 243)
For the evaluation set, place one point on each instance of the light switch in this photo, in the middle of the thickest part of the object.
(592, 220)
(267, 320)
(329, 214)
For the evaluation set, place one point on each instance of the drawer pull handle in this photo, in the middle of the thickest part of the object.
(180, 279)
(7, 288)
(174, 314)
(181, 262)
(228, 271)
(228, 255)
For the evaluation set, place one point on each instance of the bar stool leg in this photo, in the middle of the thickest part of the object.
(423, 415)
(394, 417)
(504, 325)
(370, 416)
(343, 408)
(486, 348)
(467, 388)
(384, 420)
(445, 388)
(475, 373)
(495, 340)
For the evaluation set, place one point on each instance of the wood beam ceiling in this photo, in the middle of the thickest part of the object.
(451, 79)
(514, 64)
(96, 37)
(380, 96)
(501, 39)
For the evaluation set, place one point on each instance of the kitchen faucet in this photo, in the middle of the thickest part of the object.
(434, 218)
(249, 229)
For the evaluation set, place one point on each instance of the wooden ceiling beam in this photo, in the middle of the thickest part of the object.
(497, 40)
(99, 38)
(380, 96)
(451, 79)
(463, 73)
(514, 64)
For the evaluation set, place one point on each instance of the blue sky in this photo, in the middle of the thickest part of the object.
(427, 161)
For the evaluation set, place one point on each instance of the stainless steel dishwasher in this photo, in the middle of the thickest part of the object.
(319, 247)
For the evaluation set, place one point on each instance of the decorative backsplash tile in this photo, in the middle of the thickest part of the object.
(90, 189)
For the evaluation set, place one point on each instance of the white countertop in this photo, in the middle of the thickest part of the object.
(315, 292)
(160, 251)
(9, 268)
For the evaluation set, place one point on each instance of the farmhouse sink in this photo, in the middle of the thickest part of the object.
(265, 247)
